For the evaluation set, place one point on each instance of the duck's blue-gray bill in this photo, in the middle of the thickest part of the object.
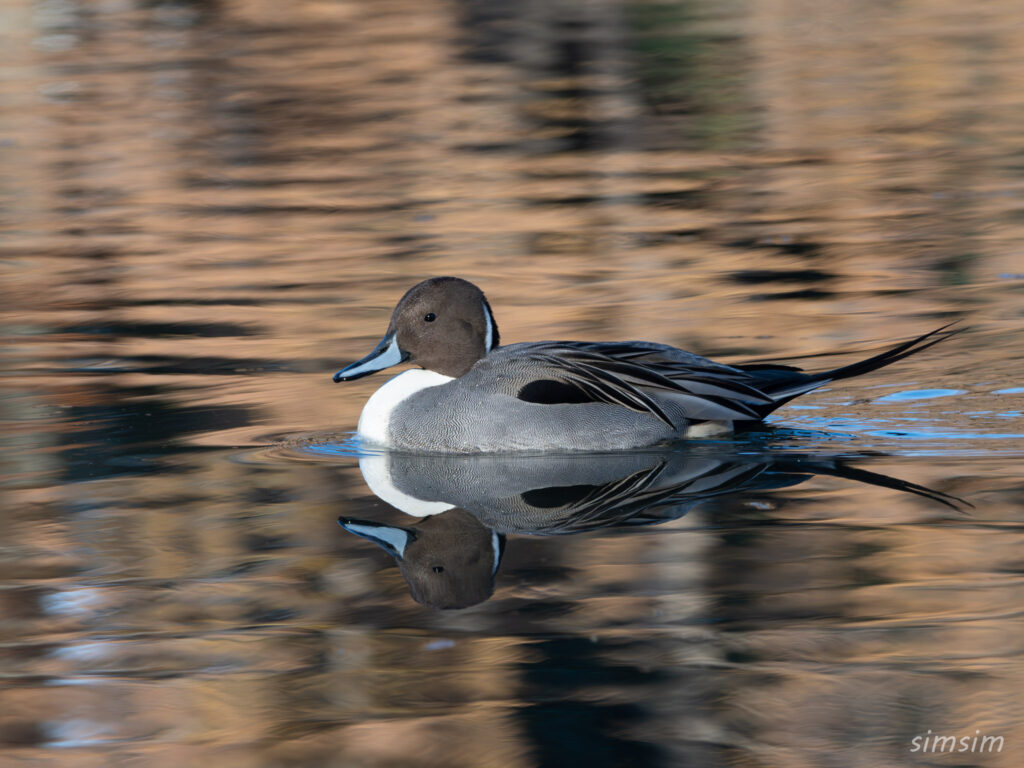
(391, 538)
(384, 355)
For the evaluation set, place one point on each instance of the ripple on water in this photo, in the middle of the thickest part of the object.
(324, 446)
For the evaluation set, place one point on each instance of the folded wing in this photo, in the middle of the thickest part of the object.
(563, 372)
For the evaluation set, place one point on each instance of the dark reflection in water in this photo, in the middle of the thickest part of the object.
(468, 504)
(116, 433)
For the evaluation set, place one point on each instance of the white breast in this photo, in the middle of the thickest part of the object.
(376, 416)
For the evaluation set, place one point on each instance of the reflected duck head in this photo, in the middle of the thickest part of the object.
(448, 560)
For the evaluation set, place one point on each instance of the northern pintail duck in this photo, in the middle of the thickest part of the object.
(472, 395)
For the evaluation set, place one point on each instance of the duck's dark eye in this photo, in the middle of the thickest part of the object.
(430, 317)
(438, 569)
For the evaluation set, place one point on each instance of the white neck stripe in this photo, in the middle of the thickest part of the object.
(489, 338)
(496, 546)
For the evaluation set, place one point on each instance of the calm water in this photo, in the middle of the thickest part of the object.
(208, 207)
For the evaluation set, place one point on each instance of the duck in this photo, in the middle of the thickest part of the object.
(470, 394)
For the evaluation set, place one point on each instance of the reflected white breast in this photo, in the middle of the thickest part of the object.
(376, 471)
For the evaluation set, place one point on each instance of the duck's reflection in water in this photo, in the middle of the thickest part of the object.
(448, 559)
(467, 504)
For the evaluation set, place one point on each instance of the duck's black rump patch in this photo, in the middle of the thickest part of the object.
(552, 392)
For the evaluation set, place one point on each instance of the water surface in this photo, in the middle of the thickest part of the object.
(209, 207)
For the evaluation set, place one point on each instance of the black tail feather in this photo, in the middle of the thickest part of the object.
(782, 388)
